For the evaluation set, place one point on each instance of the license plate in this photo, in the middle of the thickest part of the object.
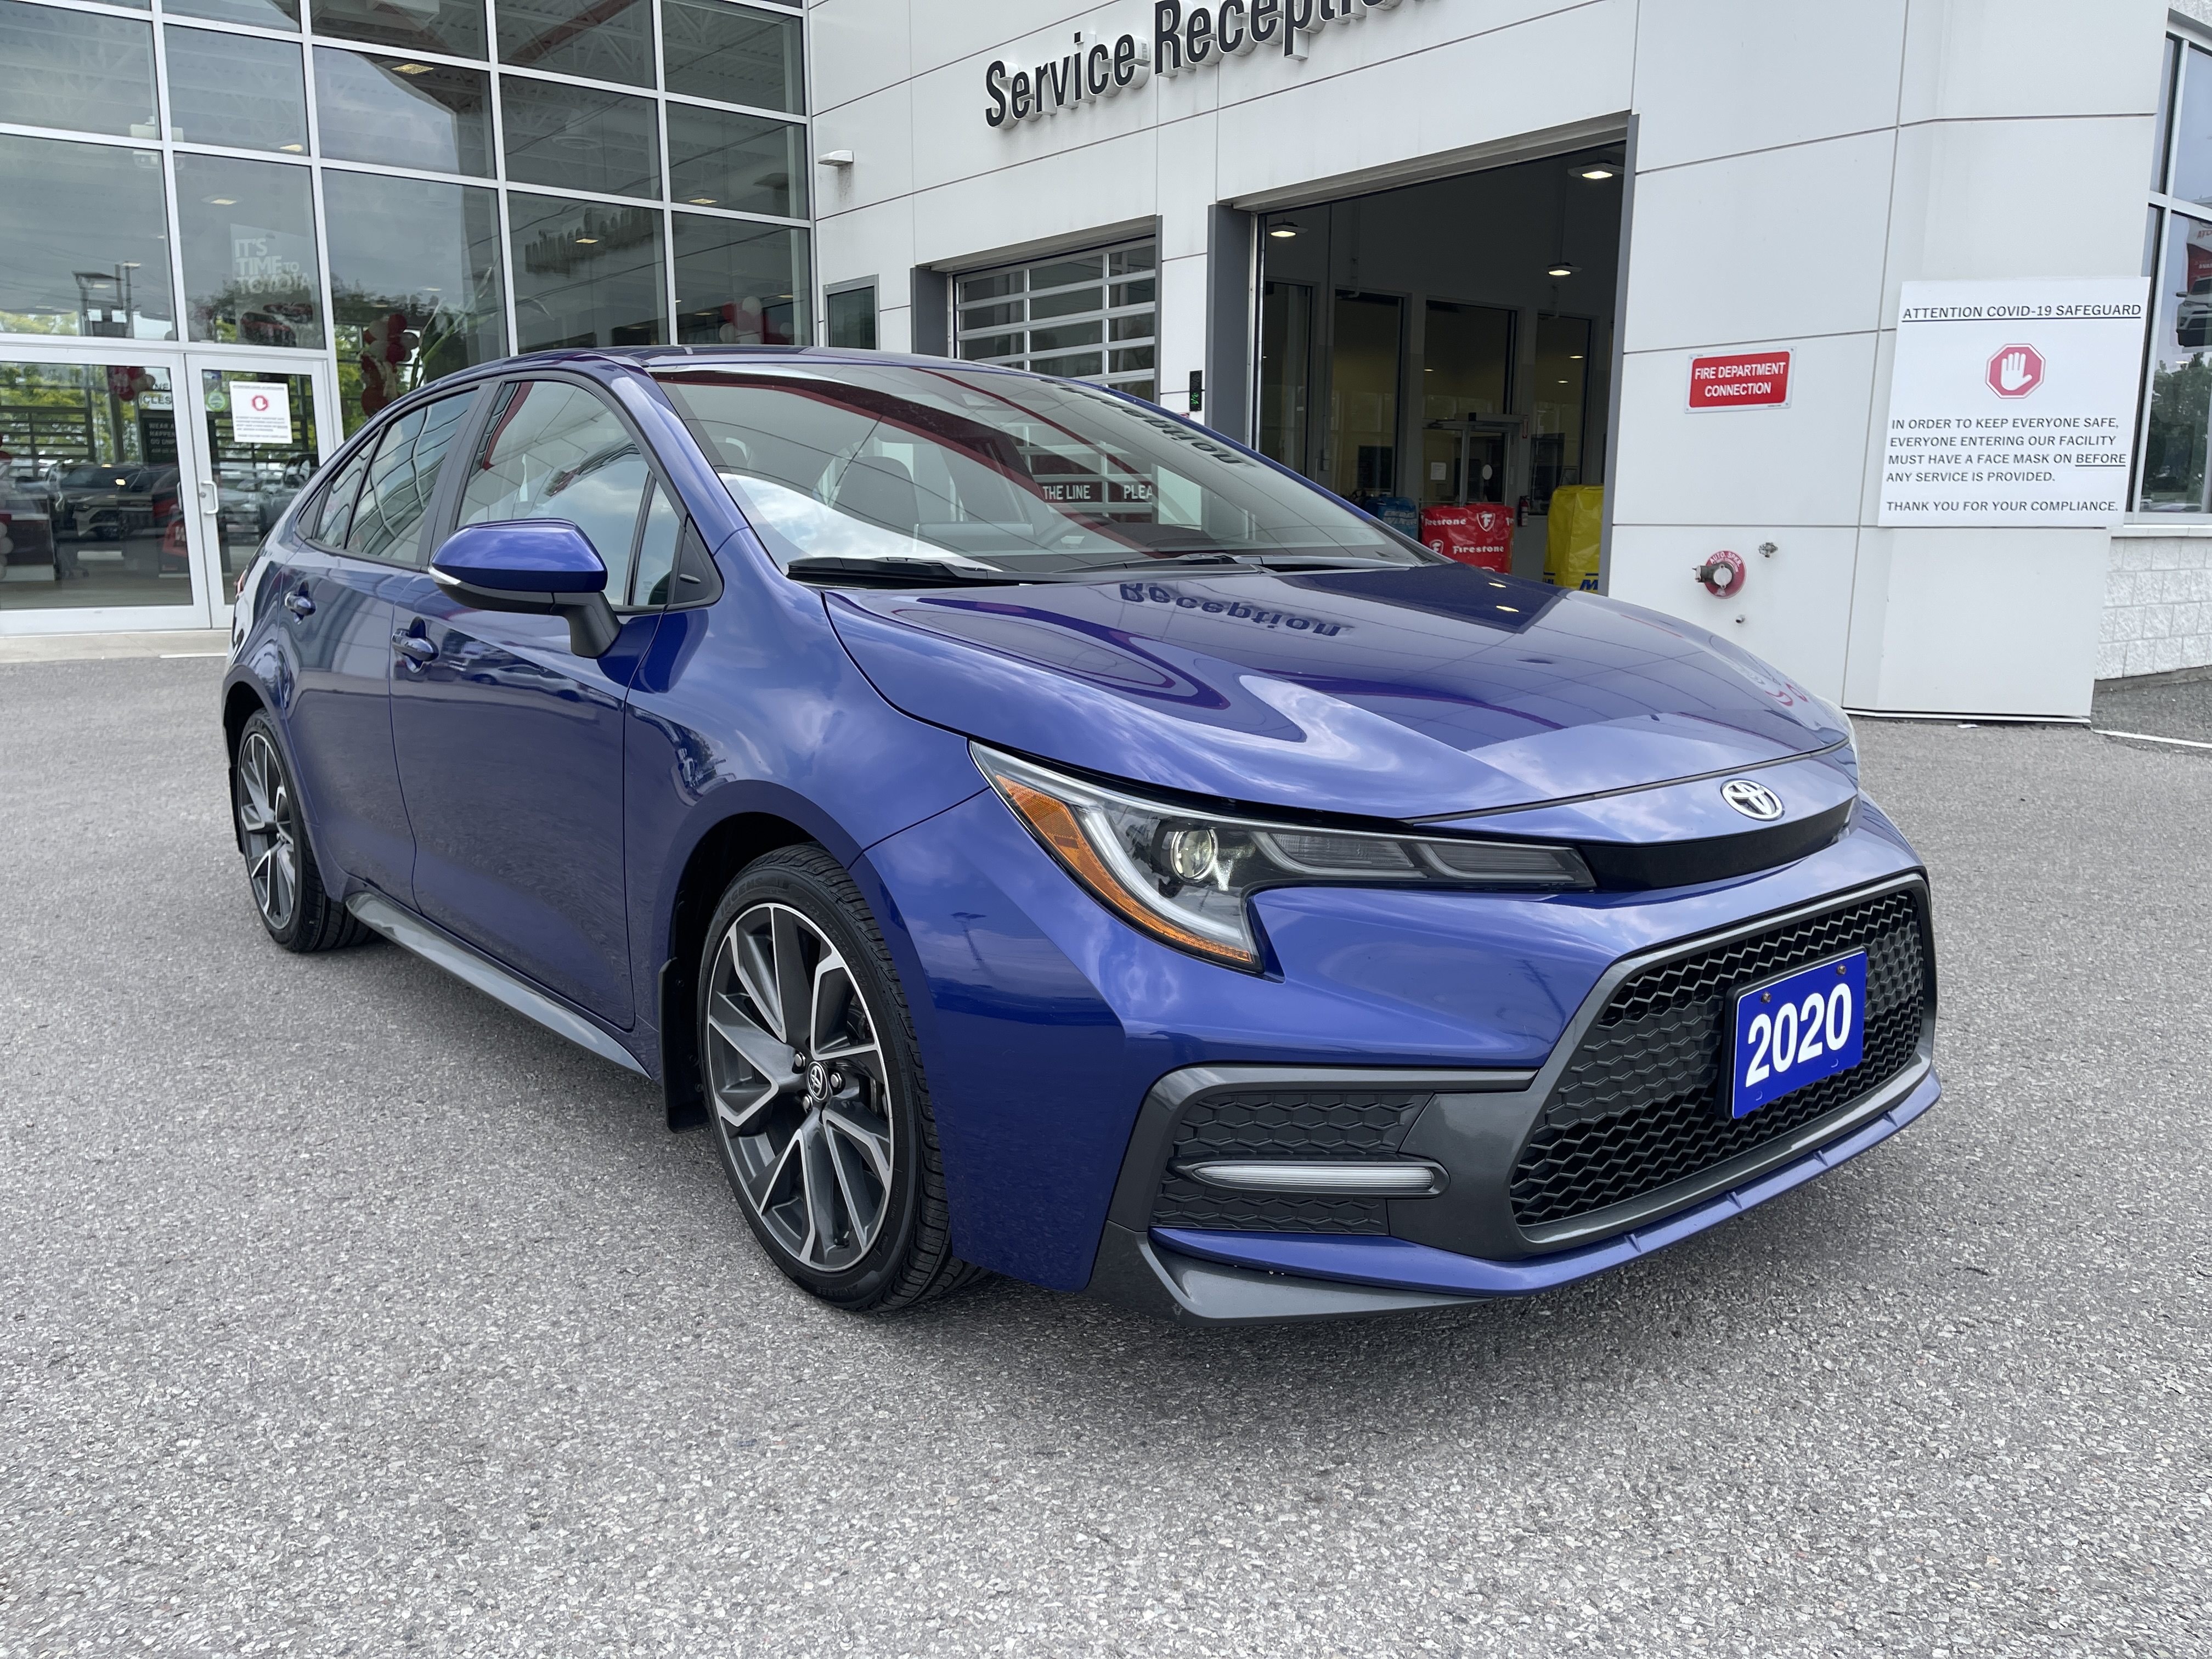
(1798, 1030)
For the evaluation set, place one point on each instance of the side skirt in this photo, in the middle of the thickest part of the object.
(411, 932)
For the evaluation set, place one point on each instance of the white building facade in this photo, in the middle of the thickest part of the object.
(1438, 253)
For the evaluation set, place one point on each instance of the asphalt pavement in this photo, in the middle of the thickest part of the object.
(348, 1313)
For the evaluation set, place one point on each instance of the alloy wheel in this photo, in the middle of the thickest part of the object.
(797, 1078)
(265, 819)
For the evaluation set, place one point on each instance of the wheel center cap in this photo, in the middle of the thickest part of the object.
(818, 1079)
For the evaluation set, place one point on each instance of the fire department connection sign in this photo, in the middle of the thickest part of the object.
(2014, 402)
(260, 412)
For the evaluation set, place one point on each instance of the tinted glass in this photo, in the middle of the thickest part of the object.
(735, 282)
(414, 284)
(259, 429)
(579, 138)
(455, 28)
(89, 488)
(599, 40)
(2172, 479)
(337, 507)
(75, 70)
(585, 273)
(402, 113)
(250, 274)
(265, 14)
(553, 451)
(748, 163)
(867, 461)
(64, 270)
(403, 480)
(733, 54)
(2192, 129)
(236, 89)
(852, 319)
(656, 550)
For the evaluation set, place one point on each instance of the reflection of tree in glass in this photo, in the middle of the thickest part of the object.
(2173, 444)
(391, 344)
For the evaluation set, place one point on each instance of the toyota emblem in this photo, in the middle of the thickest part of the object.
(1754, 800)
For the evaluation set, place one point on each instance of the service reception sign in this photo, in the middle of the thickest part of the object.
(2014, 402)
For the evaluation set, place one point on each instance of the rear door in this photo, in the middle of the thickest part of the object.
(509, 745)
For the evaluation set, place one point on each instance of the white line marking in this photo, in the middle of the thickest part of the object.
(2145, 737)
(174, 656)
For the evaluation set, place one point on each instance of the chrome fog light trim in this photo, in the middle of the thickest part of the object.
(1369, 1178)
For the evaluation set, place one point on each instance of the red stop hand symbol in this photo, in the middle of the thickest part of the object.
(2016, 371)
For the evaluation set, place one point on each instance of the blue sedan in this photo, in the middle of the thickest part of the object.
(1034, 833)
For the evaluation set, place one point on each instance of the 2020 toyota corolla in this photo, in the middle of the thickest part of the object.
(1037, 835)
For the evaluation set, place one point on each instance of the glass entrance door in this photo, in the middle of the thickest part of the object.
(263, 426)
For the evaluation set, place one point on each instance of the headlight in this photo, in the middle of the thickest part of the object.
(1184, 877)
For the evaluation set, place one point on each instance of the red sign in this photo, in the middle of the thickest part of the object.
(1751, 380)
(1481, 534)
(2016, 371)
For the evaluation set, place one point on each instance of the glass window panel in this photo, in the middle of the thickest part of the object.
(64, 270)
(580, 137)
(414, 284)
(584, 274)
(402, 480)
(251, 273)
(656, 550)
(235, 90)
(718, 158)
(256, 477)
(599, 40)
(992, 316)
(554, 451)
(1133, 294)
(852, 319)
(2192, 130)
(402, 112)
(990, 287)
(1138, 325)
(1070, 304)
(1087, 362)
(1558, 406)
(733, 54)
(75, 70)
(1075, 315)
(89, 488)
(455, 28)
(1134, 357)
(1122, 261)
(1058, 339)
(984, 346)
(739, 283)
(265, 14)
(1063, 272)
(2180, 373)
(2166, 73)
(338, 505)
(1286, 315)
(1363, 416)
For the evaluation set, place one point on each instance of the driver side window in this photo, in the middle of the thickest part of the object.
(553, 451)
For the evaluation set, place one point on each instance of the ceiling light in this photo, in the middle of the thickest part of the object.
(703, 201)
(1574, 356)
(291, 150)
(586, 241)
(1558, 268)
(222, 201)
(412, 69)
(1283, 230)
(1599, 172)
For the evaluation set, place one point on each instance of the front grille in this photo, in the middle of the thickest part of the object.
(1284, 1124)
(1641, 1105)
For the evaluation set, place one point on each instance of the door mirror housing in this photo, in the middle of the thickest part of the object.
(539, 566)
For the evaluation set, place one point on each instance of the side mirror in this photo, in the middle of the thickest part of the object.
(539, 566)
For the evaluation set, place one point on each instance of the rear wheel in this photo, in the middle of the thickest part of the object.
(812, 1074)
(280, 866)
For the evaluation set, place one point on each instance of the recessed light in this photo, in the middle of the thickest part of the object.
(703, 201)
(1563, 383)
(1574, 356)
(1284, 231)
(222, 201)
(586, 241)
(412, 69)
(1559, 268)
(1596, 172)
(292, 149)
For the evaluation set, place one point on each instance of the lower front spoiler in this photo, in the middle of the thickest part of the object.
(1253, 1278)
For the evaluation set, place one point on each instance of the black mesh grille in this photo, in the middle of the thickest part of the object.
(1333, 1124)
(1639, 1106)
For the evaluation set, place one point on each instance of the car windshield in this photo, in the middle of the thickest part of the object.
(976, 471)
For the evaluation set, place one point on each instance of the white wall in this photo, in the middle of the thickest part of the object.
(1796, 163)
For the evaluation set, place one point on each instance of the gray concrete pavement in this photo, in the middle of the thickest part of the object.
(347, 1314)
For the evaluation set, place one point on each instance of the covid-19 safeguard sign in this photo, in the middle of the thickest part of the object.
(2014, 402)
(1181, 37)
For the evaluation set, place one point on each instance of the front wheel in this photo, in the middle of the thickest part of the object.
(815, 1083)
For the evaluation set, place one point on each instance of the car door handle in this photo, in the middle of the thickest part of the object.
(416, 649)
(300, 604)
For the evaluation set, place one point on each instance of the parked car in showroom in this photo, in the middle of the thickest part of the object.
(1036, 834)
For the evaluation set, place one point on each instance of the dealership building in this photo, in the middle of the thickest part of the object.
(1877, 340)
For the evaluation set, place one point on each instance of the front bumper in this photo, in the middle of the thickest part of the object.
(1220, 1278)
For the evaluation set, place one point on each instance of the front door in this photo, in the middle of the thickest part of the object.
(265, 424)
(510, 745)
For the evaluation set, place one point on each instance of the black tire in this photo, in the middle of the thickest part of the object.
(281, 873)
(786, 1128)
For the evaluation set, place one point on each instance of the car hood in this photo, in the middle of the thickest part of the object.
(1430, 691)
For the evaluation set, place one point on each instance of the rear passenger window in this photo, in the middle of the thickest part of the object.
(334, 514)
(388, 523)
(554, 451)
